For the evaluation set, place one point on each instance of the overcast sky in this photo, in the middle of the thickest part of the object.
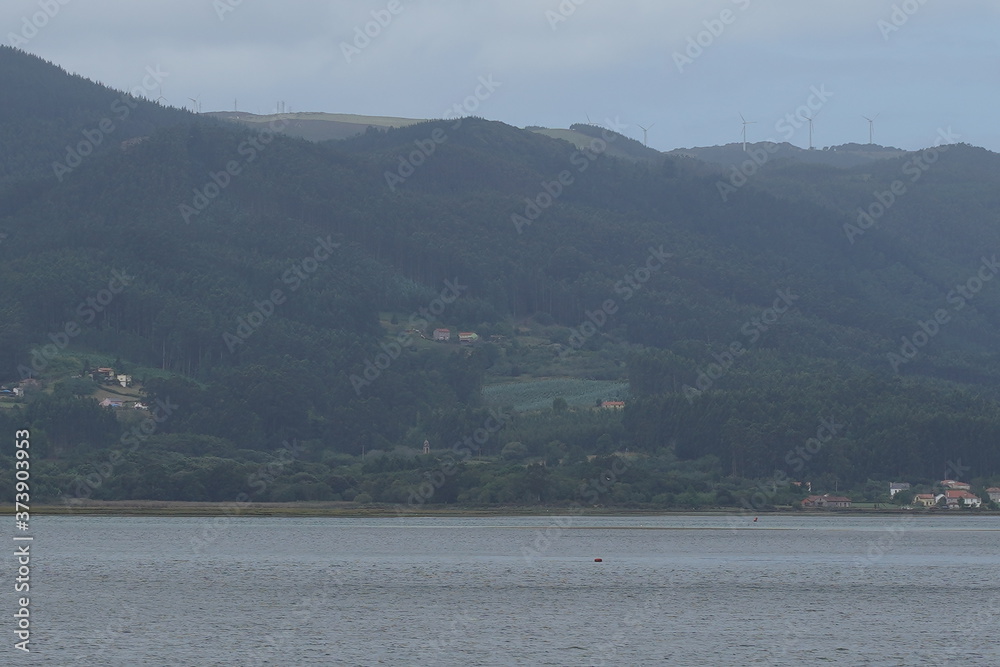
(689, 67)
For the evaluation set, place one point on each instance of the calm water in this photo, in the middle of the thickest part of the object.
(678, 590)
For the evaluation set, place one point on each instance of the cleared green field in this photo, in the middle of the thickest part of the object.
(538, 394)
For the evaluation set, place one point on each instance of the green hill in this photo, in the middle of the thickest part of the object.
(250, 269)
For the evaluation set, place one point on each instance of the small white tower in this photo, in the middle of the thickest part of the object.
(427, 447)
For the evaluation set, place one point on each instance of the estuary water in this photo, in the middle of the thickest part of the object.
(670, 590)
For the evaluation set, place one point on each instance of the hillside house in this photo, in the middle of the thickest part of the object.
(613, 405)
(957, 498)
(952, 484)
(443, 335)
(924, 500)
(896, 487)
(467, 337)
(124, 380)
(827, 501)
(994, 494)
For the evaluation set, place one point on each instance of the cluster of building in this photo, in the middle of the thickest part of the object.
(16, 391)
(949, 493)
(108, 376)
(444, 336)
(827, 501)
(115, 403)
(952, 494)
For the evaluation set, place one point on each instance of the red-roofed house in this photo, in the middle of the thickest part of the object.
(613, 405)
(952, 484)
(994, 494)
(442, 334)
(956, 498)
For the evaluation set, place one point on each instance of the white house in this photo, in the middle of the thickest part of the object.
(896, 487)
(957, 498)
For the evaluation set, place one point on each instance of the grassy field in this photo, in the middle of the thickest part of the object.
(537, 394)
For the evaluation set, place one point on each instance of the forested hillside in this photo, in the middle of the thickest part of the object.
(273, 302)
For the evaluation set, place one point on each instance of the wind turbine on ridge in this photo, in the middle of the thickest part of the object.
(645, 131)
(810, 119)
(745, 123)
(871, 127)
(161, 97)
(195, 104)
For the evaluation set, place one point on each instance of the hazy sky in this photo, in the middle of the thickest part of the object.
(689, 67)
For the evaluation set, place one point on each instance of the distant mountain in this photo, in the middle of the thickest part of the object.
(51, 120)
(280, 290)
(312, 125)
(331, 126)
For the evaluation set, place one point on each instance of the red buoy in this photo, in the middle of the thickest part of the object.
(598, 560)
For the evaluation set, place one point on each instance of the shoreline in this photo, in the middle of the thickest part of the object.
(180, 508)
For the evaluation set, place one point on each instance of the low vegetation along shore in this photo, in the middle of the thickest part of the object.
(354, 510)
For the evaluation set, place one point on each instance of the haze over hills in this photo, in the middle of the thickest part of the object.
(278, 290)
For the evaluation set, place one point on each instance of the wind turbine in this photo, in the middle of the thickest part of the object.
(871, 127)
(161, 97)
(745, 123)
(645, 131)
(195, 104)
(810, 119)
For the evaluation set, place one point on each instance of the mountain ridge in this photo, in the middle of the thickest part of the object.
(405, 209)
